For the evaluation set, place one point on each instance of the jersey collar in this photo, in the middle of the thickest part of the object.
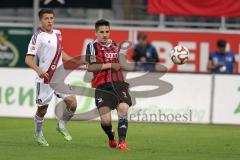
(108, 43)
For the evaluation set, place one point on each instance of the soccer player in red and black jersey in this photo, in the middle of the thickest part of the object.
(111, 89)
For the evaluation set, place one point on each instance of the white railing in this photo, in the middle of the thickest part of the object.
(144, 23)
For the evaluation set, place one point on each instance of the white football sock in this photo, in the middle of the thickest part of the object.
(38, 125)
(67, 115)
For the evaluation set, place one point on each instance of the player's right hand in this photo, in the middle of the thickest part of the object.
(115, 66)
(43, 74)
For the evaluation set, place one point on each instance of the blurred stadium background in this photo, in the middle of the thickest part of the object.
(202, 111)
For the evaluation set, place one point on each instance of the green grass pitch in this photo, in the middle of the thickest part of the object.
(146, 141)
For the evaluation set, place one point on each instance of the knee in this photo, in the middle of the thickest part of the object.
(105, 121)
(123, 109)
(73, 108)
(71, 103)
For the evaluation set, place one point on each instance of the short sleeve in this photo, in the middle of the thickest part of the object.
(34, 45)
(90, 53)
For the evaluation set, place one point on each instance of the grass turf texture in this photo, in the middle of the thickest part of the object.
(145, 140)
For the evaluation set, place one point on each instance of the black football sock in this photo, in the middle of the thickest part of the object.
(108, 130)
(122, 127)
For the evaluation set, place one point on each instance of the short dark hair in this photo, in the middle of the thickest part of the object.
(141, 36)
(45, 10)
(101, 22)
(221, 43)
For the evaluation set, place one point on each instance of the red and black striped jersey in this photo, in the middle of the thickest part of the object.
(99, 53)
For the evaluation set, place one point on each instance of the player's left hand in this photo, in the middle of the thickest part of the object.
(115, 66)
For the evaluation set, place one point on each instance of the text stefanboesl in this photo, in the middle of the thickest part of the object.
(160, 116)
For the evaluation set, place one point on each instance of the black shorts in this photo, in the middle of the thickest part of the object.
(111, 94)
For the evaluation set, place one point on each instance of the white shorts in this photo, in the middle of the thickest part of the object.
(45, 93)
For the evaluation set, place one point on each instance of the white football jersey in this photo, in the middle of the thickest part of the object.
(43, 46)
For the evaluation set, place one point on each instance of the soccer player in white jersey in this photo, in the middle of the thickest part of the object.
(46, 47)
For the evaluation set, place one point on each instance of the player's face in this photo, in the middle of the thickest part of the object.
(143, 42)
(47, 22)
(103, 33)
(222, 50)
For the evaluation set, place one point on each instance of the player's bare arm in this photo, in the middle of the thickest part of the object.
(75, 60)
(104, 66)
(29, 60)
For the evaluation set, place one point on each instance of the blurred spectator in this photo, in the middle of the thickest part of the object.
(144, 54)
(222, 61)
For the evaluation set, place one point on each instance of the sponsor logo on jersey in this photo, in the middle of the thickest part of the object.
(53, 67)
(111, 55)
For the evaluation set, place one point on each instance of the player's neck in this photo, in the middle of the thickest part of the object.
(104, 43)
(45, 30)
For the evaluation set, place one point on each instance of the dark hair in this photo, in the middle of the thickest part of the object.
(43, 11)
(221, 43)
(141, 36)
(101, 22)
